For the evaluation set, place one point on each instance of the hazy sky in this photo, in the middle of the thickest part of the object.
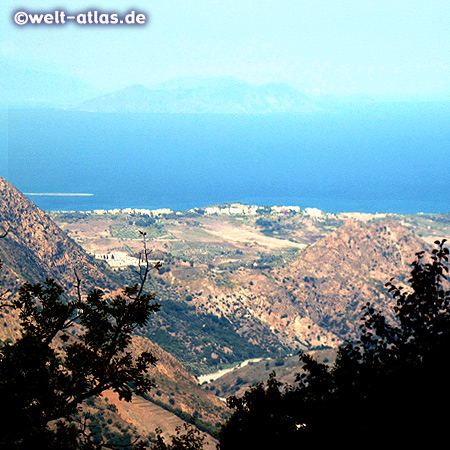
(399, 47)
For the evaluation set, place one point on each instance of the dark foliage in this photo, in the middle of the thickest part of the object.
(391, 384)
(262, 418)
(69, 351)
(191, 439)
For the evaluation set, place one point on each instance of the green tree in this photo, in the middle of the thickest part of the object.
(389, 384)
(69, 350)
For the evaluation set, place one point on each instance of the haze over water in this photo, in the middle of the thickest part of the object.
(370, 157)
(376, 157)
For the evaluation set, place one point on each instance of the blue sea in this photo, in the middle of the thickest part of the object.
(379, 157)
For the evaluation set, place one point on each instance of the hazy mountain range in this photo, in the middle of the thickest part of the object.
(211, 95)
(22, 86)
(36, 87)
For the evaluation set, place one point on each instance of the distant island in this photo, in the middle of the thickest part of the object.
(222, 95)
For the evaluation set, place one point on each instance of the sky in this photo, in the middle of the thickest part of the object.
(322, 47)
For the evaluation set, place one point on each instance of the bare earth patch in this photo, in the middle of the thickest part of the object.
(244, 235)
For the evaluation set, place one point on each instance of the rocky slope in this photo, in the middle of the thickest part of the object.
(263, 285)
(314, 300)
(34, 249)
(325, 288)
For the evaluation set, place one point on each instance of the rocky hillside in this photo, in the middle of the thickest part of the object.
(311, 300)
(243, 286)
(34, 249)
(325, 288)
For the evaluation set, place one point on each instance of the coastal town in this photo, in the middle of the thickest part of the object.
(125, 220)
(226, 209)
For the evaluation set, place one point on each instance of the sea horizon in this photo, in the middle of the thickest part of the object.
(378, 158)
(360, 206)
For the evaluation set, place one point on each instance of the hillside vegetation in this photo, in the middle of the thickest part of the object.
(240, 286)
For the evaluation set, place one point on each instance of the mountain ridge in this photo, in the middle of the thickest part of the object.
(209, 96)
(316, 299)
(35, 248)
